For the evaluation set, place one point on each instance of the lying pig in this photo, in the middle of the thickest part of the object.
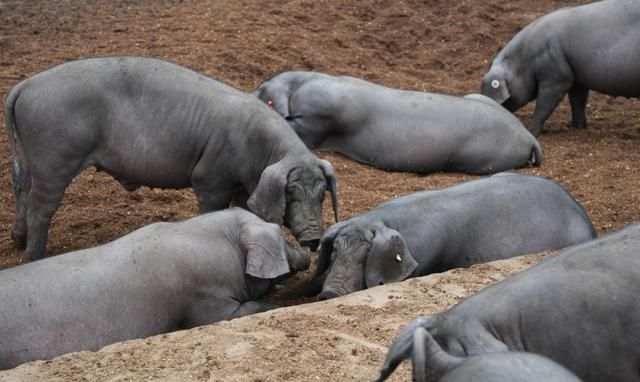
(400, 130)
(160, 278)
(498, 217)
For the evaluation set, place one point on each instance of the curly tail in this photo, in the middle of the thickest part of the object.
(402, 346)
(536, 154)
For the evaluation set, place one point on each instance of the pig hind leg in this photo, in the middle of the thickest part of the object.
(578, 97)
(47, 186)
(21, 185)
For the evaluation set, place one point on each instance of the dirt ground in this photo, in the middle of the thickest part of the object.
(431, 45)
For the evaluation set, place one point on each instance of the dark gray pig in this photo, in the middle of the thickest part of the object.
(579, 308)
(400, 130)
(494, 218)
(593, 46)
(431, 363)
(153, 123)
(160, 278)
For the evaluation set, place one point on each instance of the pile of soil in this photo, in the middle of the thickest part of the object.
(432, 45)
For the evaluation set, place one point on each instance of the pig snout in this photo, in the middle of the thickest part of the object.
(299, 259)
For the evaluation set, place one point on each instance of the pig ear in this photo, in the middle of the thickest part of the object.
(501, 92)
(276, 96)
(332, 181)
(279, 101)
(389, 258)
(268, 199)
(266, 254)
(495, 86)
(326, 248)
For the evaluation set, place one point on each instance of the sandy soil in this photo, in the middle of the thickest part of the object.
(433, 45)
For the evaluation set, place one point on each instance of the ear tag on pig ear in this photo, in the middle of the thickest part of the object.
(399, 258)
(270, 103)
(495, 84)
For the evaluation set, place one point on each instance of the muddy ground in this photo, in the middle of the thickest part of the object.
(432, 45)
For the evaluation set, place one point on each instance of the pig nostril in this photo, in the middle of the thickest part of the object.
(312, 244)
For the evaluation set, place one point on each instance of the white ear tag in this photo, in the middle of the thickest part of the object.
(398, 257)
(495, 84)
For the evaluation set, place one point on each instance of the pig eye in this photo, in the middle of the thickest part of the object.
(495, 84)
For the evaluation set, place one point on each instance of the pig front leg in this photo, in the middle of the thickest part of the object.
(252, 307)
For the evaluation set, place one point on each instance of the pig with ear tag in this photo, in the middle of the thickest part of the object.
(400, 130)
(569, 51)
(494, 218)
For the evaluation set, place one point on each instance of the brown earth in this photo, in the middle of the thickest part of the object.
(433, 45)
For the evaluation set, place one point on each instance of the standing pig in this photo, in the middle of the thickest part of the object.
(430, 362)
(153, 123)
(494, 218)
(160, 278)
(594, 46)
(579, 308)
(400, 130)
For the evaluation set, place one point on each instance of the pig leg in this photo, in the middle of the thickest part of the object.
(49, 180)
(211, 310)
(578, 97)
(240, 200)
(212, 200)
(213, 193)
(252, 307)
(21, 186)
(41, 203)
(549, 96)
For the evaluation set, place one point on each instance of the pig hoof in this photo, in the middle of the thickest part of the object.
(20, 239)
